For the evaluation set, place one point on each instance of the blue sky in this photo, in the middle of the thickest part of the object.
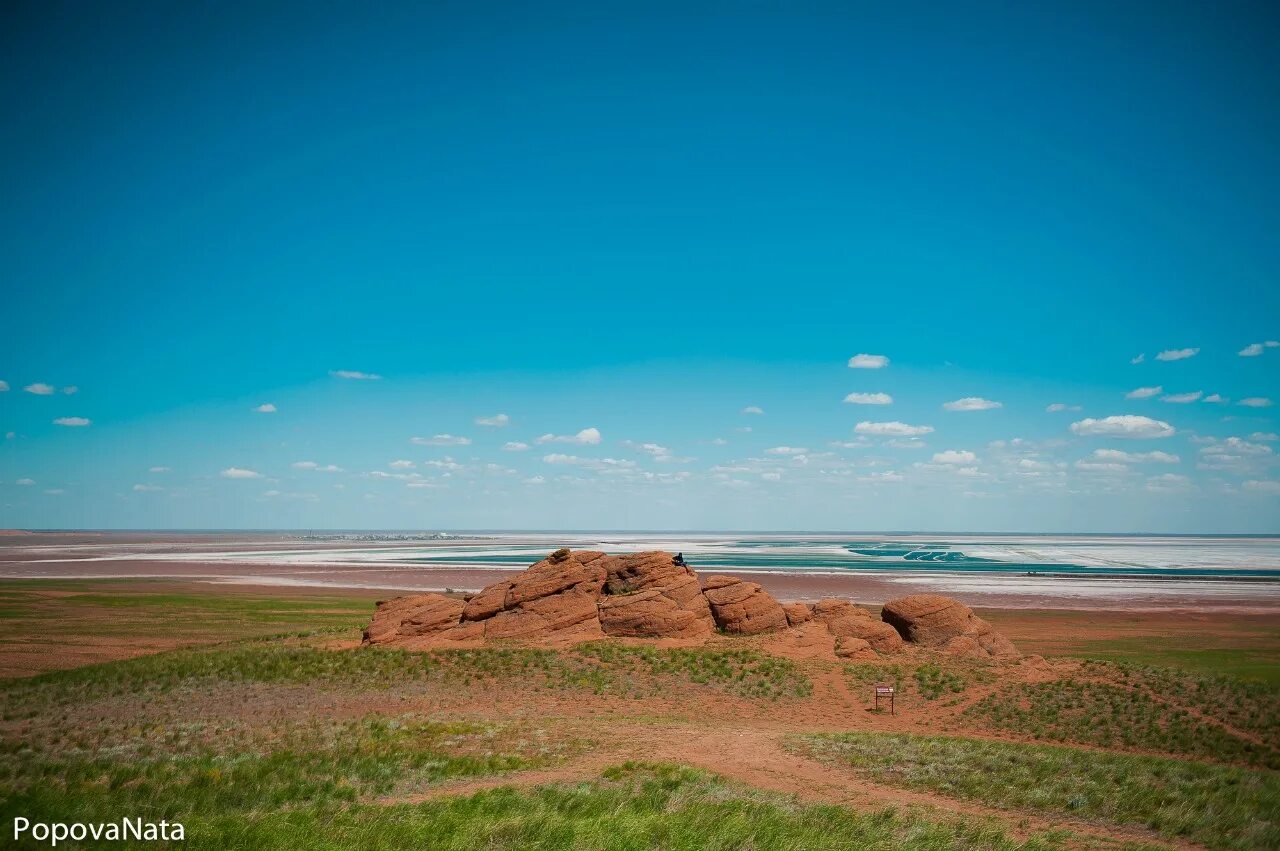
(634, 223)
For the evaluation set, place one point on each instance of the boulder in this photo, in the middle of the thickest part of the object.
(845, 620)
(932, 620)
(581, 572)
(648, 594)
(855, 649)
(651, 614)
(568, 615)
(743, 608)
(797, 613)
(553, 599)
(415, 616)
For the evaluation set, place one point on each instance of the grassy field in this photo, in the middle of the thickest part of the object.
(48, 624)
(1240, 645)
(1218, 806)
(257, 722)
(1160, 709)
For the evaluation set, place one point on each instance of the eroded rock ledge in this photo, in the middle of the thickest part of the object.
(573, 596)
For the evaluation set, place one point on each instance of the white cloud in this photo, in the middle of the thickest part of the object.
(514, 446)
(869, 399)
(495, 421)
(753, 409)
(73, 422)
(71, 390)
(971, 403)
(1100, 467)
(1255, 402)
(771, 477)
(659, 452)
(240, 473)
(586, 437)
(1125, 425)
(1061, 406)
(1144, 392)
(312, 465)
(1254, 349)
(265, 408)
(719, 441)
(4, 387)
(886, 476)
(401, 465)
(147, 488)
(1235, 446)
(1139, 359)
(25, 482)
(786, 450)
(1182, 398)
(1177, 354)
(860, 443)
(892, 429)
(905, 443)
(1135, 457)
(590, 463)
(1215, 398)
(355, 375)
(868, 362)
(534, 480)
(55, 491)
(40, 389)
(383, 474)
(1262, 486)
(1168, 483)
(441, 440)
(159, 469)
(1264, 435)
(954, 456)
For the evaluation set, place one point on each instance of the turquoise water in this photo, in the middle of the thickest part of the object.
(1233, 559)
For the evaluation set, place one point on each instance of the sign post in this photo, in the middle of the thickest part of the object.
(887, 691)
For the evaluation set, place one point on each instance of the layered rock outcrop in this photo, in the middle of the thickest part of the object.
(743, 608)
(573, 596)
(940, 622)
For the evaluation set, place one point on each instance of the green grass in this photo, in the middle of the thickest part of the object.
(601, 668)
(929, 681)
(1248, 704)
(71, 610)
(1219, 806)
(1111, 716)
(630, 808)
(1243, 663)
(932, 681)
(167, 774)
(1159, 709)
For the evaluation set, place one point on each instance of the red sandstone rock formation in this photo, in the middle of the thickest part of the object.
(934, 621)
(847, 621)
(573, 596)
(743, 608)
(413, 617)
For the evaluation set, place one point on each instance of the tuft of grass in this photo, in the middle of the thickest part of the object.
(1219, 806)
(932, 681)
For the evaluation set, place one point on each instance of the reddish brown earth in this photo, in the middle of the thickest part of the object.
(580, 595)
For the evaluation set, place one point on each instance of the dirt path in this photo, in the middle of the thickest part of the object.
(755, 755)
